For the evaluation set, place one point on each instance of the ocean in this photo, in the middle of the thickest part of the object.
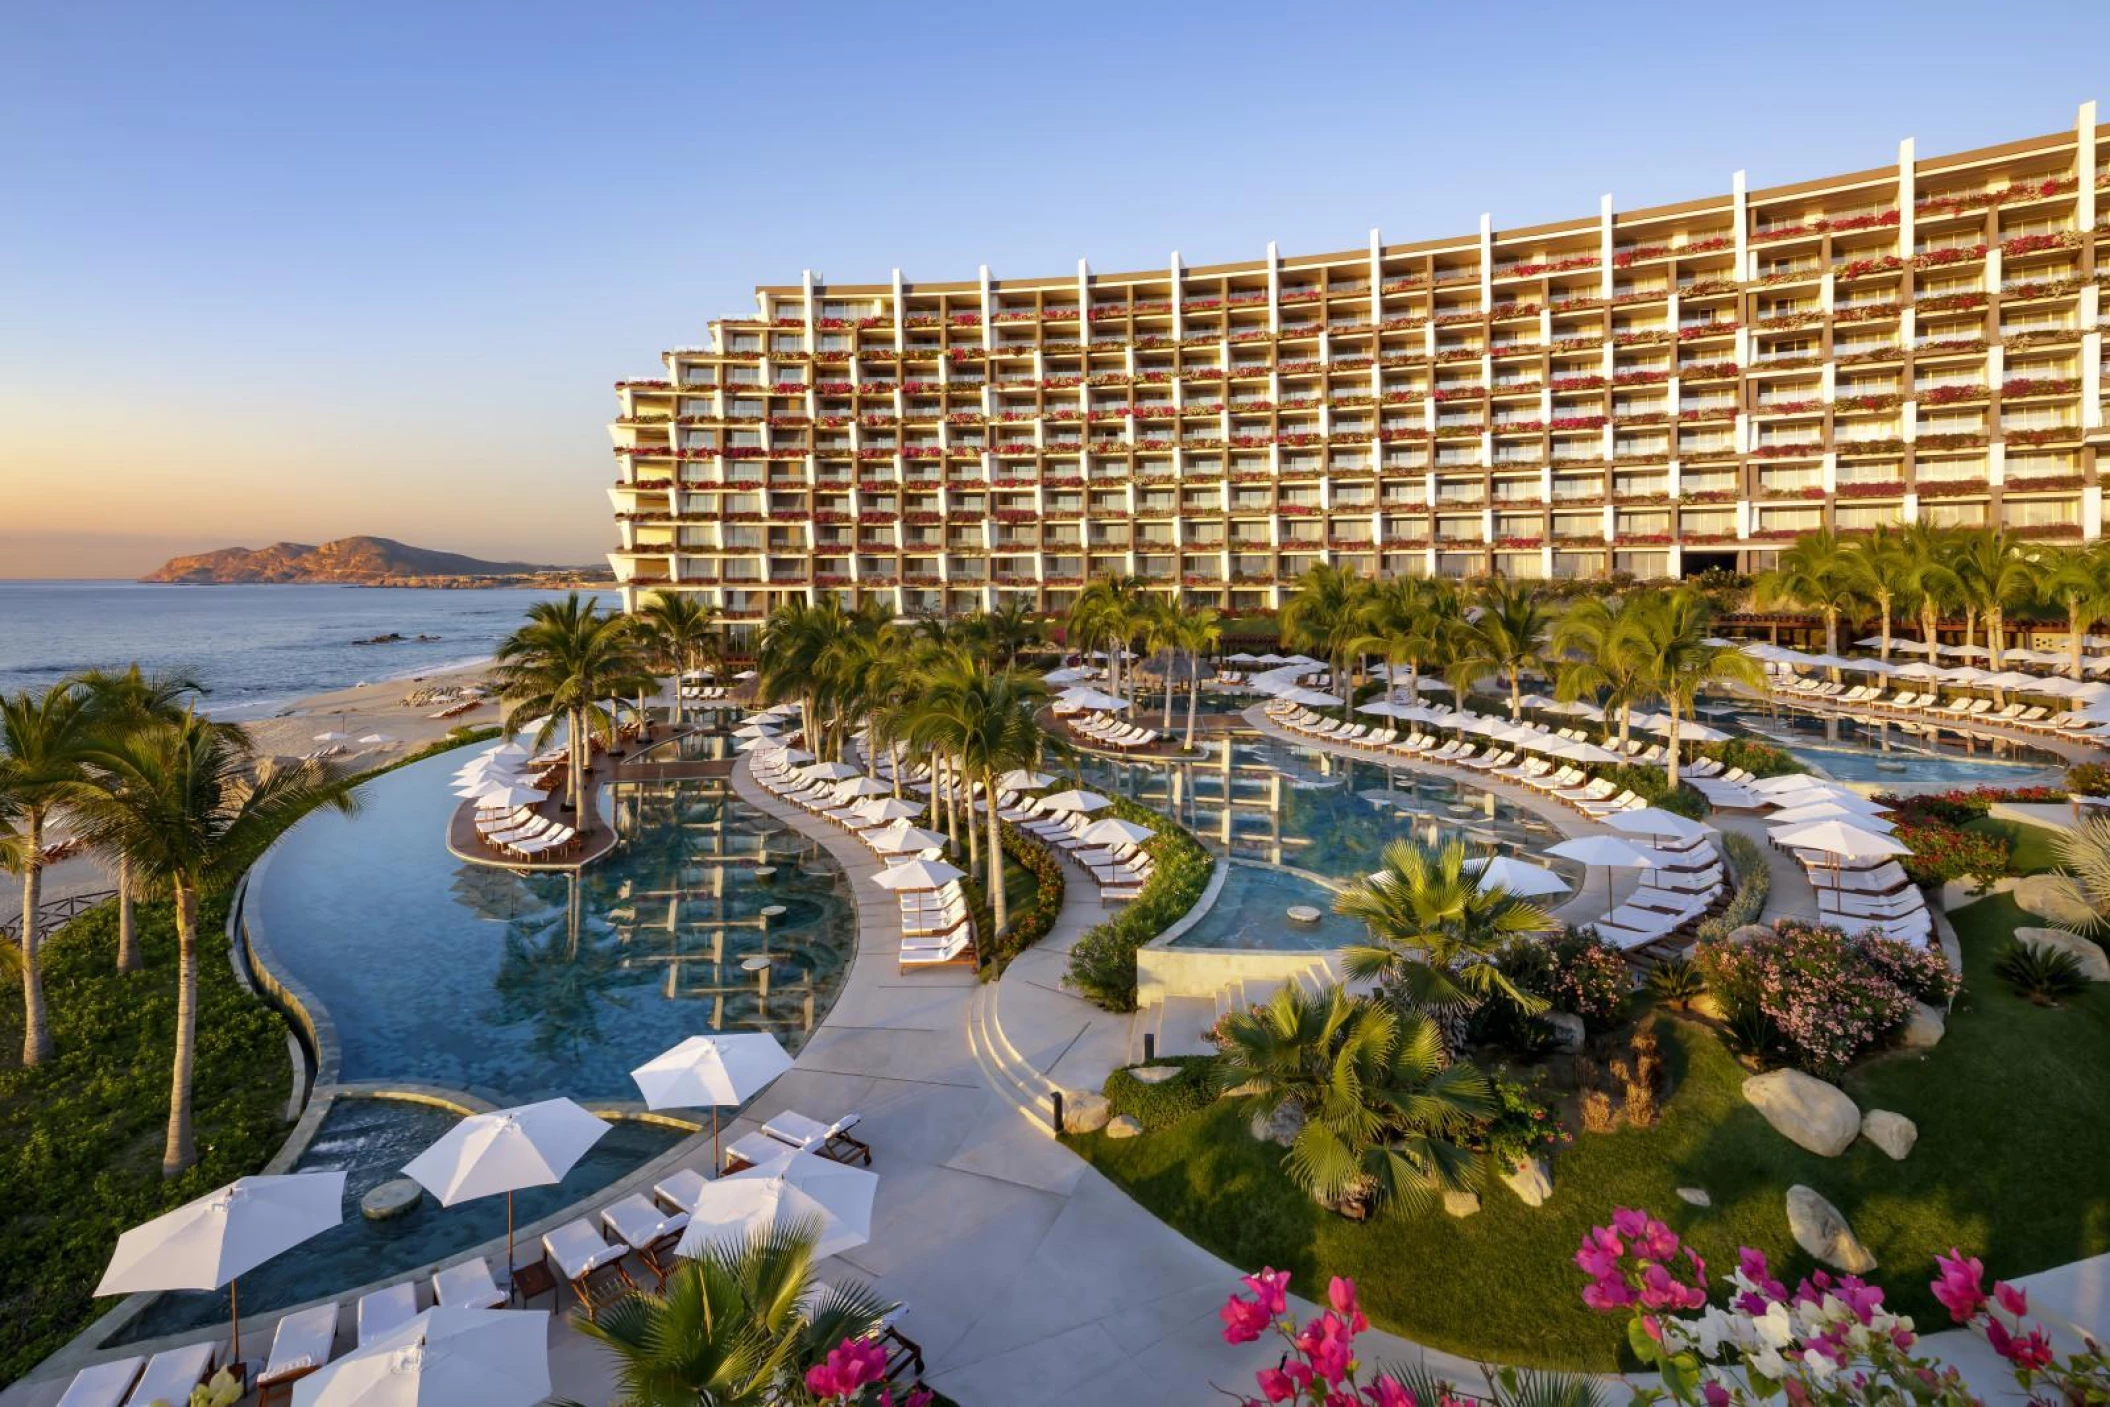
(254, 648)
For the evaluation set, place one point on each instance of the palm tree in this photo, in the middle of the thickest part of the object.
(569, 661)
(1197, 633)
(1326, 616)
(1415, 621)
(1598, 643)
(43, 738)
(119, 700)
(1678, 625)
(1435, 933)
(1099, 618)
(989, 723)
(2076, 579)
(1508, 635)
(186, 805)
(1882, 568)
(678, 625)
(1814, 573)
(1932, 583)
(1011, 629)
(1994, 578)
(1384, 1109)
(733, 1326)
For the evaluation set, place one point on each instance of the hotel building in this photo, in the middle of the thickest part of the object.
(1656, 392)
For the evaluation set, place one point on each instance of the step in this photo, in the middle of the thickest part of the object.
(1028, 1091)
(1181, 1026)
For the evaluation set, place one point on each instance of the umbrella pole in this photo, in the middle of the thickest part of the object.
(234, 1309)
(715, 1162)
(509, 1238)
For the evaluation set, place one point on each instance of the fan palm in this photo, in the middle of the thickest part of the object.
(1678, 626)
(1326, 616)
(1415, 621)
(1599, 643)
(734, 1326)
(1099, 618)
(118, 700)
(678, 625)
(1435, 933)
(186, 805)
(1509, 635)
(1384, 1109)
(1882, 569)
(1012, 628)
(1197, 633)
(1932, 583)
(988, 723)
(43, 738)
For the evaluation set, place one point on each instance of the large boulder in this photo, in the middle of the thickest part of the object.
(1281, 1125)
(1820, 1229)
(1893, 1133)
(1530, 1181)
(2094, 965)
(1083, 1112)
(1461, 1204)
(1925, 1027)
(1568, 1032)
(2051, 896)
(1125, 1126)
(1805, 1110)
(1695, 1197)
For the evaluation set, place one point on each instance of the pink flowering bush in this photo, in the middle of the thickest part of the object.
(855, 1372)
(1825, 999)
(1829, 1342)
(1320, 1367)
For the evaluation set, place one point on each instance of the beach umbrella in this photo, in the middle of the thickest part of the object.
(765, 746)
(864, 786)
(917, 875)
(1785, 782)
(1385, 708)
(504, 796)
(1085, 801)
(1071, 675)
(1519, 877)
(1873, 642)
(745, 674)
(1018, 779)
(2011, 679)
(900, 840)
(889, 808)
(531, 1145)
(1242, 658)
(1918, 669)
(212, 1241)
(443, 1358)
(1840, 838)
(1610, 853)
(1587, 752)
(333, 736)
(792, 754)
(755, 729)
(1437, 684)
(1969, 652)
(1311, 698)
(1865, 666)
(711, 1071)
(1829, 808)
(829, 771)
(1112, 830)
(1654, 820)
(506, 750)
(375, 739)
(798, 1187)
(1091, 700)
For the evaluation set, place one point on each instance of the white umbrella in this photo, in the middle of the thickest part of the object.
(1115, 831)
(1085, 801)
(1785, 782)
(505, 750)
(756, 729)
(484, 767)
(1827, 795)
(1311, 698)
(1691, 732)
(1918, 669)
(917, 875)
(1436, 684)
(1826, 810)
(1385, 708)
(333, 736)
(1519, 877)
(1091, 700)
(1966, 674)
(745, 674)
(1242, 658)
(889, 808)
(900, 840)
(1654, 820)
(208, 1243)
(1071, 675)
(1838, 837)
(504, 796)
(1587, 752)
(864, 786)
(711, 1070)
(443, 1358)
(1609, 852)
(374, 739)
(828, 771)
(532, 1145)
(792, 754)
(1019, 779)
(799, 1187)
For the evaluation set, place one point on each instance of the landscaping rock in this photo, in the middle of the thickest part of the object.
(1694, 1196)
(391, 1199)
(1529, 1180)
(2094, 965)
(1461, 1204)
(1123, 1127)
(1928, 1024)
(1751, 933)
(1282, 1126)
(1820, 1229)
(1153, 1074)
(1893, 1133)
(1568, 1033)
(2052, 896)
(1805, 1110)
(1084, 1113)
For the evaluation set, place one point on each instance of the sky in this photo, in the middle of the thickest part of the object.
(297, 271)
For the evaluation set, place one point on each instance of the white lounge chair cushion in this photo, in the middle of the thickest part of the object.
(467, 1286)
(681, 1189)
(172, 1373)
(303, 1340)
(638, 1223)
(102, 1385)
(803, 1131)
(386, 1310)
(579, 1250)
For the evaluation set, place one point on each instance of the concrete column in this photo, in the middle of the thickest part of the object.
(1274, 289)
(2084, 159)
(1604, 246)
(1830, 472)
(812, 336)
(1910, 512)
(1996, 463)
(1487, 261)
(1908, 196)
(2092, 512)
(1377, 279)
(1740, 205)
(988, 314)
(1179, 293)
(900, 317)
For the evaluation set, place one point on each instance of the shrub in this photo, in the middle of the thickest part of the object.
(1192, 1090)
(1754, 884)
(1757, 758)
(1103, 963)
(1589, 978)
(1825, 998)
(2041, 974)
(2088, 779)
(1942, 852)
(1652, 784)
(1675, 982)
(1030, 922)
(1522, 1126)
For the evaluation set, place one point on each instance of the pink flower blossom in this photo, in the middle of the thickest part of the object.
(1386, 1392)
(1958, 1287)
(1244, 1321)
(1271, 1288)
(1275, 1385)
(2009, 1298)
(849, 1367)
(2028, 1352)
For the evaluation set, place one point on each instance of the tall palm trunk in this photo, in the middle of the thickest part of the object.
(1884, 655)
(1194, 693)
(1831, 638)
(1995, 620)
(2074, 626)
(1670, 760)
(974, 845)
(177, 1153)
(1516, 693)
(1930, 626)
(1168, 697)
(36, 1023)
(997, 910)
(128, 959)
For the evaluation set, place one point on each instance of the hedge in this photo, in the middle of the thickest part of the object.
(1029, 923)
(1754, 883)
(1757, 758)
(1192, 1090)
(1103, 963)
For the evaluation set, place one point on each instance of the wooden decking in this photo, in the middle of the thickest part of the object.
(594, 840)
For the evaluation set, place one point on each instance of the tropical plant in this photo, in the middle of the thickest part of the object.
(1435, 935)
(1994, 579)
(1675, 982)
(1196, 634)
(2042, 974)
(1881, 569)
(1099, 619)
(1932, 583)
(2077, 580)
(1415, 621)
(1599, 643)
(1326, 616)
(571, 662)
(678, 627)
(43, 738)
(735, 1326)
(988, 724)
(1384, 1110)
(187, 805)
(1684, 658)
(1815, 572)
(1508, 635)
(2084, 861)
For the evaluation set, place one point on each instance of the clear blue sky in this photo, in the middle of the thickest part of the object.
(300, 270)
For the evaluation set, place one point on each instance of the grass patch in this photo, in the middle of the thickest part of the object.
(81, 1136)
(2014, 1120)
(2030, 849)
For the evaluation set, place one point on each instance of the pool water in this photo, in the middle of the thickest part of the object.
(371, 1140)
(1251, 913)
(518, 987)
(1907, 754)
(703, 745)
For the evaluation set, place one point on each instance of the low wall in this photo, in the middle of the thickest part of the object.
(1165, 973)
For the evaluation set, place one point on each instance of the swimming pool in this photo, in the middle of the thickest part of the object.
(1903, 755)
(1251, 914)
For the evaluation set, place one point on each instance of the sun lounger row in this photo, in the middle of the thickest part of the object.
(525, 834)
(1958, 713)
(457, 710)
(1112, 732)
(797, 1132)
(1120, 870)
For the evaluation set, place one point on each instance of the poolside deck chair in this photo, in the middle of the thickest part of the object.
(592, 1267)
(303, 1342)
(468, 1286)
(680, 1190)
(645, 1229)
(830, 1140)
(172, 1373)
(103, 1384)
(958, 948)
(381, 1312)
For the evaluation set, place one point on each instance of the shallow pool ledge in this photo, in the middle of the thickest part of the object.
(1165, 971)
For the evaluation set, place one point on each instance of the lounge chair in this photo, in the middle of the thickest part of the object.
(680, 1190)
(104, 1384)
(383, 1311)
(800, 1131)
(592, 1267)
(303, 1342)
(644, 1228)
(959, 948)
(172, 1373)
(468, 1286)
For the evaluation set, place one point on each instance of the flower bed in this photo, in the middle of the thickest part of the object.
(1103, 962)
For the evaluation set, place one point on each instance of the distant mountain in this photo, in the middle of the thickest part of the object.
(364, 561)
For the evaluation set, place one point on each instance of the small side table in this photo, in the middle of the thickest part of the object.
(534, 1279)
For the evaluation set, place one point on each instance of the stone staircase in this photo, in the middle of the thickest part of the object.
(1009, 1073)
(1176, 1024)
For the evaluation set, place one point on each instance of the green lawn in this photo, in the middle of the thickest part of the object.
(2031, 849)
(2014, 1116)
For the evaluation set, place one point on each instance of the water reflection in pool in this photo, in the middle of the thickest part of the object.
(1893, 753)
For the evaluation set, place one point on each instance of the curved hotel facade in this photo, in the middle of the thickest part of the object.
(1655, 392)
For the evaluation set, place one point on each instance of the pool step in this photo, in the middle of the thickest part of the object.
(1007, 1072)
